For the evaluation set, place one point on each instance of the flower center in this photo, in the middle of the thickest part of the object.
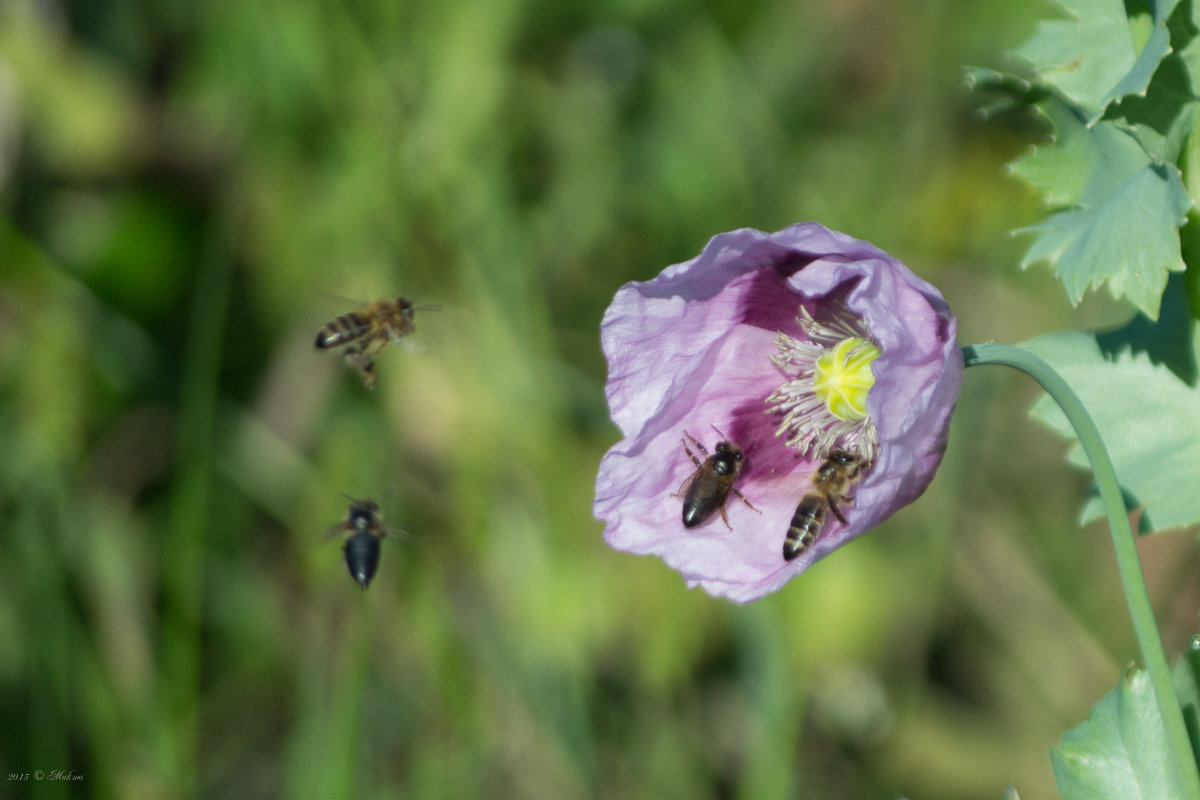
(823, 402)
(842, 378)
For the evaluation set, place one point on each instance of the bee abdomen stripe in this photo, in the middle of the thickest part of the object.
(341, 330)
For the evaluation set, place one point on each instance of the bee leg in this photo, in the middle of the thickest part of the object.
(687, 481)
(368, 372)
(353, 356)
(721, 510)
(837, 512)
(357, 358)
(366, 368)
(699, 447)
(743, 498)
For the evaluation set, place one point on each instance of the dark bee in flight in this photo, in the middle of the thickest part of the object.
(365, 332)
(840, 470)
(707, 489)
(364, 528)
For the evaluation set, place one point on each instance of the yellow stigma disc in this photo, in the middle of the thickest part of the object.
(843, 378)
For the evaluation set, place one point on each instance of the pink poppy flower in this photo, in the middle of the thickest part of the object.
(826, 363)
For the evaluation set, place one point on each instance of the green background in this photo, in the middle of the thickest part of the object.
(188, 191)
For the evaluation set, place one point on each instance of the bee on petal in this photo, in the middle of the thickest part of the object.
(706, 491)
(840, 470)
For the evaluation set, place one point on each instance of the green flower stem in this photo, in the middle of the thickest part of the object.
(1130, 568)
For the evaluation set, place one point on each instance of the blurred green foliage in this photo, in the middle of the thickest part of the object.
(189, 191)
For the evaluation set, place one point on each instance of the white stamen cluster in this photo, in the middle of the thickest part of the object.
(811, 427)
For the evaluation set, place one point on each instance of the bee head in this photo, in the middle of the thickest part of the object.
(730, 449)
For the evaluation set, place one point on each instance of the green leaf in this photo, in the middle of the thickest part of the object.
(1163, 116)
(1124, 210)
(1005, 90)
(1140, 385)
(1120, 753)
(1162, 119)
(1093, 58)
(1184, 27)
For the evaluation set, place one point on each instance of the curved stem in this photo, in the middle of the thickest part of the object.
(1128, 565)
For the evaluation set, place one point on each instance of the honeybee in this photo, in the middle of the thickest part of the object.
(708, 488)
(370, 329)
(365, 531)
(840, 470)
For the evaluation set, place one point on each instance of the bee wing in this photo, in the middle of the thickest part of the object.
(419, 341)
(687, 482)
(343, 528)
(334, 530)
(352, 301)
(396, 534)
(416, 342)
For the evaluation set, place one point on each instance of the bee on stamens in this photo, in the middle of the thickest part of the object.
(363, 333)
(707, 489)
(831, 481)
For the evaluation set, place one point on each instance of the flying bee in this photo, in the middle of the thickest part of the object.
(363, 333)
(364, 528)
(707, 489)
(840, 470)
